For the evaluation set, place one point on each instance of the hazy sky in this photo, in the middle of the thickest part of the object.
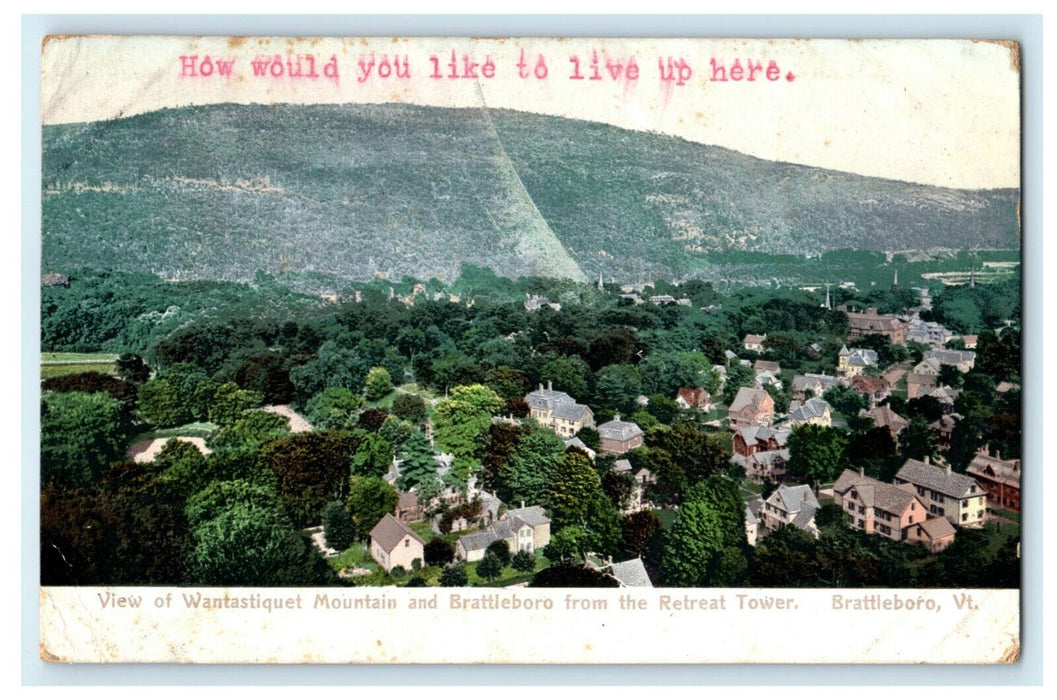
(938, 112)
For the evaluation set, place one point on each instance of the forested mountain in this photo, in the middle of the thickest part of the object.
(220, 191)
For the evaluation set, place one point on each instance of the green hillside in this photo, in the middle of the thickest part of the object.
(348, 191)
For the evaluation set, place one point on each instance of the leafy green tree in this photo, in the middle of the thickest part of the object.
(928, 407)
(817, 454)
(250, 430)
(738, 376)
(379, 384)
(523, 561)
(602, 524)
(663, 408)
(230, 402)
(396, 432)
(338, 528)
(478, 397)
(566, 544)
(220, 496)
(723, 497)
(411, 408)
(848, 401)
(490, 567)
(589, 437)
(182, 464)
(460, 424)
(132, 368)
(370, 498)
(162, 405)
(691, 545)
(418, 464)
(507, 382)
(454, 576)
(568, 374)
(998, 357)
(531, 465)
(786, 558)
(875, 452)
(201, 399)
(80, 435)
(335, 408)
(572, 485)
(438, 552)
(918, 440)
(617, 387)
(127, 529)
(310, 470)
(501, 550)
(731, 568)
(639, 529)
(250, 546)
(373, 457)
(781, 397)
(695, 453)
(614, 346)
(568, 575)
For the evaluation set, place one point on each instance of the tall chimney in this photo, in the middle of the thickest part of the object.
(927, 460)
(549, 386)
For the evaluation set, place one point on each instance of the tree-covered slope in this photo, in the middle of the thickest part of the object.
(218, 192)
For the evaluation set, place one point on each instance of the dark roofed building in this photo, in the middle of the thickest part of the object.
(559, 411)
(999, 477)
(947, 493)
(872, 323)
(618, 436)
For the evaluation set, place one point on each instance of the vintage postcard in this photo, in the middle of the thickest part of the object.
(530, 350)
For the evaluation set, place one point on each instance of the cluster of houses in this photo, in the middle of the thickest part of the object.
(925, 503)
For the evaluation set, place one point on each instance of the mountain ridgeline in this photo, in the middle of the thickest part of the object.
(347, 191)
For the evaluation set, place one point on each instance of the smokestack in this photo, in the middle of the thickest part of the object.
(549, 386)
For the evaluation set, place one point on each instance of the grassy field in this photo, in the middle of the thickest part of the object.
(58, 364)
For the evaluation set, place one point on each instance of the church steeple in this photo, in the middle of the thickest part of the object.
(895, 281)
(600, 287)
